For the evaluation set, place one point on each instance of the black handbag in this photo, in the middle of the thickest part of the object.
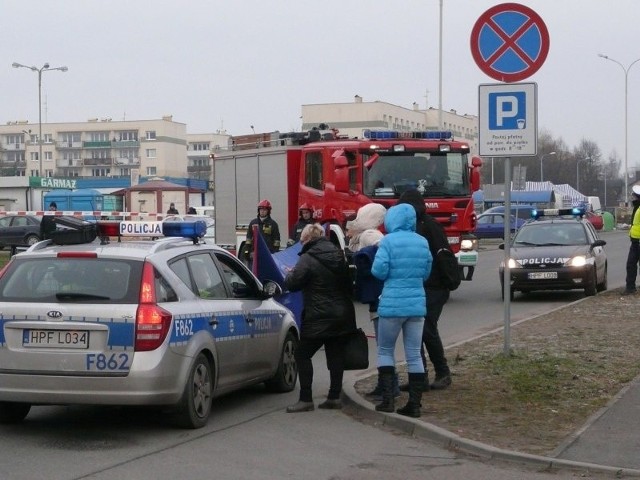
(356, 351)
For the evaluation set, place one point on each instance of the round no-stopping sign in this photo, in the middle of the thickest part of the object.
(509, 42)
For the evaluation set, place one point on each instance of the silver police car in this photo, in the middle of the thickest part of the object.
(557, 250)
(171, 321)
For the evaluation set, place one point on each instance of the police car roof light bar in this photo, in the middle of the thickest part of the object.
(193, 229)
(557, 212)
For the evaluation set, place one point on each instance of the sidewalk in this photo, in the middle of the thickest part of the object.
(609, 443)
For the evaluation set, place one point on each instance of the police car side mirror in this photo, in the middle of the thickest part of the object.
(501, 246)
(271, 289)
(598, 243)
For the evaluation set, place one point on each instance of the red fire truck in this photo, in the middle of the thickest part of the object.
(336, 176)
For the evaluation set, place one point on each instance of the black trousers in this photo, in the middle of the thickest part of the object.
(333, 350)
(632, 264)
(436, 298)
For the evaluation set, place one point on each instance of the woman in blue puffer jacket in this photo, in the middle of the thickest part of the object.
(403, 263)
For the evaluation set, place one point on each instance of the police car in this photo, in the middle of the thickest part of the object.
(556, 250)
(170, 321)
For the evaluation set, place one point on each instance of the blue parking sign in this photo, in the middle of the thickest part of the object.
(507, 110)
(508, 119)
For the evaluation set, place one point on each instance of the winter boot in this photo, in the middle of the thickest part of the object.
(404, 387)
(386, 380)
(416, 387)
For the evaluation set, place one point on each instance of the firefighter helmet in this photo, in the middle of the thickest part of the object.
(305, 206)
(265, 204)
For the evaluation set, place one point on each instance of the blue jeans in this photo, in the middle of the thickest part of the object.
(388, 331)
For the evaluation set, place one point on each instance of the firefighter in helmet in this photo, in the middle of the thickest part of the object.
(305, 213)
(267, 227)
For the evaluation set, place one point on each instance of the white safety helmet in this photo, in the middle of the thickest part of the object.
(636, 190)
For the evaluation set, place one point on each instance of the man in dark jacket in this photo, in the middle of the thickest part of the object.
(437, 293)
(47, 225)
(323, 277)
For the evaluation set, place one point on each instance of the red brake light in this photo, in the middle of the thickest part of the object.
(152, 322)
(77, 255)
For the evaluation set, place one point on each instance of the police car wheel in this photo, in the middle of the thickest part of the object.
(590, 288)
(195, 405)
(11, 412)
(287, 374)
(602, 286)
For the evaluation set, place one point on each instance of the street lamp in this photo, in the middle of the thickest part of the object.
(541, 159)
(44, 68)
(578, 171)
(626, 122)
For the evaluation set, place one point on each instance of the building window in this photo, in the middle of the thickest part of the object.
(128, 136)
(151, 135)
(48, 138)
(151, 153)
(199, 147)
(100, 172)
(151, 171)
(99, 136)
(48, 155)
(34, 156)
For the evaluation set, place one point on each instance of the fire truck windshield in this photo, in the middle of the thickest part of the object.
(433, 175)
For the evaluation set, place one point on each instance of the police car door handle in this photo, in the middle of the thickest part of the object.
(250, 319)
(213, 321)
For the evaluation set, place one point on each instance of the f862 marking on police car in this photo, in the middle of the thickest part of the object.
(183, 328)
(114, 362)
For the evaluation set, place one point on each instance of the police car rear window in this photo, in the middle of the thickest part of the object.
(78, 280)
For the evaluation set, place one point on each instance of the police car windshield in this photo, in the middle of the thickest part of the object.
(551, 234)
(432, 175)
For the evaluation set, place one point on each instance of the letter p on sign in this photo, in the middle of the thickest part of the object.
(506, 110)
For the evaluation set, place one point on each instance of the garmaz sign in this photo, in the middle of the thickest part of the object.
(49, 182)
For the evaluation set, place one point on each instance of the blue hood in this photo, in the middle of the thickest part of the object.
(401, 217)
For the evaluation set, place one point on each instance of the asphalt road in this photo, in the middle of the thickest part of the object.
(251, 437)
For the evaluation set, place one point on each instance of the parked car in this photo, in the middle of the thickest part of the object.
(596, 220)
(522, 212)
(169, 322)
(491, 225)
(19, 230)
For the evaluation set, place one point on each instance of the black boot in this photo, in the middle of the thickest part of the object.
(416, 387)
(386, 381)
(404, 387)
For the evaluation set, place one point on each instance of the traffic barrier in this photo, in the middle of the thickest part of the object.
(98, 214)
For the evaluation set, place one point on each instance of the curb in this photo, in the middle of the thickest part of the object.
(451, 441)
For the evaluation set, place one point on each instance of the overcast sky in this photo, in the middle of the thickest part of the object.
(227, 65)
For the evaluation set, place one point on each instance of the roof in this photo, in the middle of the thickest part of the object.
(155, 185)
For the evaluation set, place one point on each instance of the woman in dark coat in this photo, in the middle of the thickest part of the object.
(322, 274)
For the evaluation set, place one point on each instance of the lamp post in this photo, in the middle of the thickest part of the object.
(541, 159)
(626, 122)
(44, 68)
(578, 171)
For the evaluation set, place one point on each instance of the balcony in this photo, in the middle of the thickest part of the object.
(93, 162)
(106, 144)
(68, 144)
(127, 162)
(199, 169)
(125, 144)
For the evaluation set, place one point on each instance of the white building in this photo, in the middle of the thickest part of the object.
(354, 117)
(106, 148)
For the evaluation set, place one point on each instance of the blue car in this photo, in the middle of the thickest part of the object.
(491, 225)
